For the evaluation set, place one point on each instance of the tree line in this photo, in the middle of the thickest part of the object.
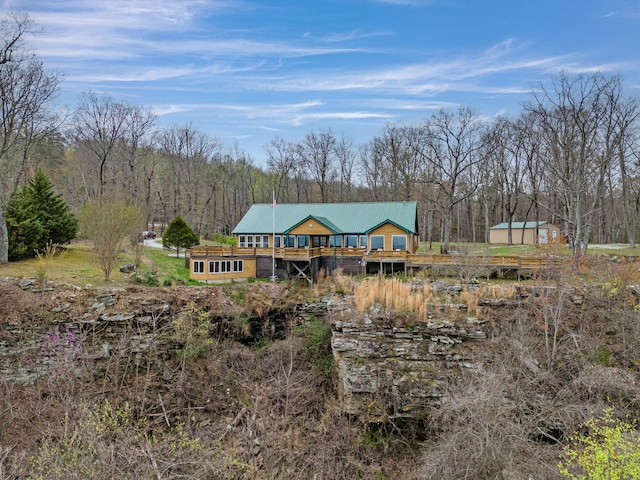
(569, 157)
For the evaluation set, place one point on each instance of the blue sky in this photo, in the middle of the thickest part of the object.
(246, 71)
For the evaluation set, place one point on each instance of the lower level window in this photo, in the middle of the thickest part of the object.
(198, 266)
(222, 266)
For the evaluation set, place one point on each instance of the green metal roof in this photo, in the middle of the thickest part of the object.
(342, 218)
(517, 225)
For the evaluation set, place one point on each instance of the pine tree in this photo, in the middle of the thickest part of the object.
(37, 216)
(179, 235)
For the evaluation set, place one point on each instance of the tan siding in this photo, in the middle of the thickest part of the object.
(389, 230)
(249, 270)
(500, 236)
(311, 227)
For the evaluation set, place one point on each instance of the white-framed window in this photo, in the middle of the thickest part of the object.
(265, 241)
(303, 241)
(377, 242)
(290, 241)
(276, 241)
(225, 266)
(238, 265)
(214, 267)
(364, 240)
(242, 241)
(198, 266)
(399, 242)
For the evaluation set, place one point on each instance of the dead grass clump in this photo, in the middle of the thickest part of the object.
(394, 294)
(336, 282)
(470, 297)
(343, 283)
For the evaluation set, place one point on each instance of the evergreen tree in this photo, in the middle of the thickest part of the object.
(36, 216)
(179, 235)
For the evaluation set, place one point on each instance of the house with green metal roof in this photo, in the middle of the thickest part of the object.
(329, 224)
(303, 239)
(526, 233)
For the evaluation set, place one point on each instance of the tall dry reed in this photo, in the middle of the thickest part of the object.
(394, 294)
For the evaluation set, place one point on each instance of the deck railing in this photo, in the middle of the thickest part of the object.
(412, 259)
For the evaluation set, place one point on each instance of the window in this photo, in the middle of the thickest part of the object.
(198, 266)
(276, 241)
(250, 241)
(363, 241)
(351, 241)
(242, 241)
(319, 241)
(303, 241)
(290, 241)
(377, 242)
(224, 266)
(335, 241)
(261, 241)
(399, 242)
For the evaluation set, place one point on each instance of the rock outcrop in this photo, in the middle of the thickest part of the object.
(388, 371)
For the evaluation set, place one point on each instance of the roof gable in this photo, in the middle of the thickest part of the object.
(342, 218)
(321, 220)
(384, 223)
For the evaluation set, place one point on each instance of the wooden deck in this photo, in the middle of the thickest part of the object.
(417, 260)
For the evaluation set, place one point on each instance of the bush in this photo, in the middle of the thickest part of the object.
(148, 278)
(603, 448)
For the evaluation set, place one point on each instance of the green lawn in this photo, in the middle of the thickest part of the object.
(484, 249)
(77, 264)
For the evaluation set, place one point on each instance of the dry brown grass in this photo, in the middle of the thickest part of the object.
(336, 282)
(394, 294)
(399, 296)
(470, 297)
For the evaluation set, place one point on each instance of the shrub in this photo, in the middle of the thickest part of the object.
(603, 448)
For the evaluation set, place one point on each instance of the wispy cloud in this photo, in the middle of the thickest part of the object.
(242, 66)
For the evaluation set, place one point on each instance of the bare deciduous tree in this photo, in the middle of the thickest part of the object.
(317, 153)
(346, 155)
(580, 132)
(26, 91)
(452, 147)
(99, 129)
(189, 155)
(282, 159)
